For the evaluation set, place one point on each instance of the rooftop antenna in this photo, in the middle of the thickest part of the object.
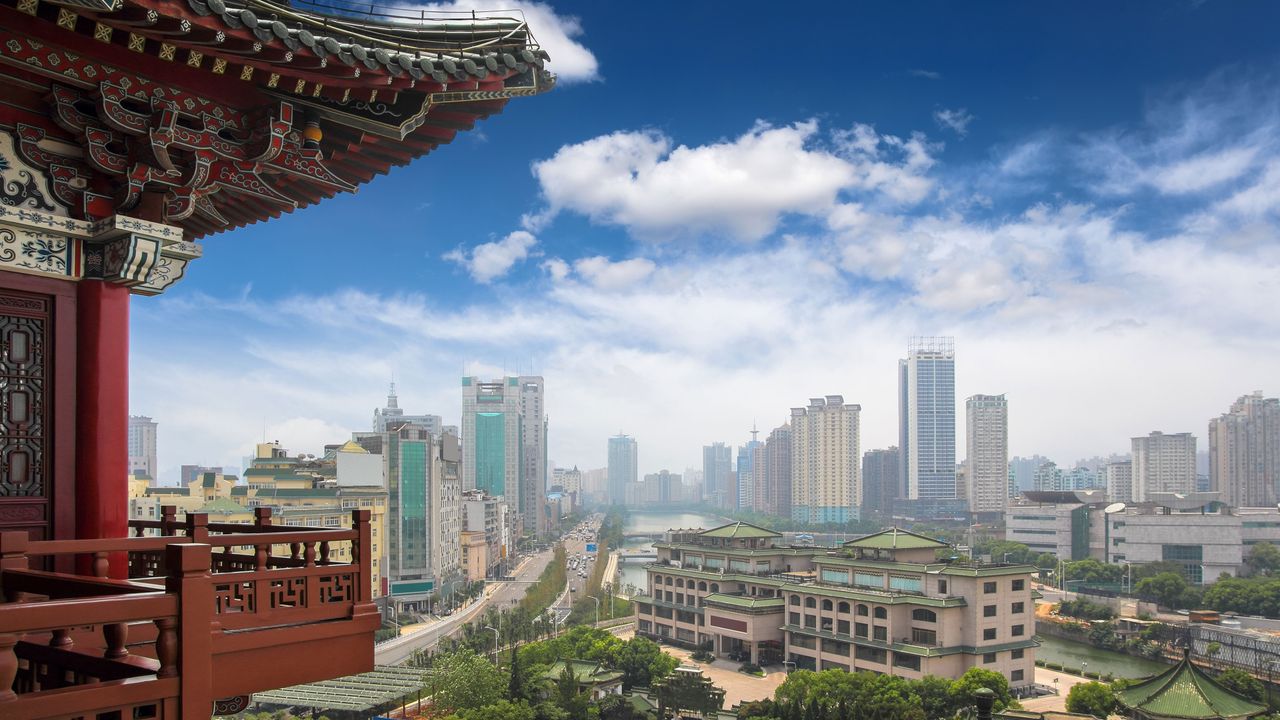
(754, 431)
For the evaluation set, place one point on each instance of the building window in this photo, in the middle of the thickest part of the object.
(680, 598)
(860, 630)
(702, 587)
(666, 581)
(989, 634)
(905, 660)
(942, 587)
(803, 641)
(1017, 654)
(794, 618)
(795, 599)
(715, 588)
(879, 632)
(1019, 585)
(989, 611)
(870, 654)
(988, 587)
(811, 621)
(842, 627)
(1016, 608)
(810, 602)
(923, 615)
(827, 606)
(880, 613)
(988, 658)
(843, 607)
(862, 610)
(1016, 675)
(679, 582)
(920, 636)
(1017, 630)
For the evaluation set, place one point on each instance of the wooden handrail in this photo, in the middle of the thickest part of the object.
(57, 614)
(59, 586)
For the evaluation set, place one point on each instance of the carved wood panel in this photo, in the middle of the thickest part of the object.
(25, 376)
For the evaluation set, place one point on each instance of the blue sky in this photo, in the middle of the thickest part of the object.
(725, 209)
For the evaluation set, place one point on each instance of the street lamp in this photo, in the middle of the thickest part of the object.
(597, 601)
(1084, 668)
(788, 666)
(453, 585)
(495, 642)
(1128, 578)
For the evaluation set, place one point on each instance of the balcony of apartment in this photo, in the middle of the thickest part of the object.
(209, 612)
(920, 646)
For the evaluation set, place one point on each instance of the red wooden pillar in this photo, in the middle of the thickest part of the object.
(102, 414)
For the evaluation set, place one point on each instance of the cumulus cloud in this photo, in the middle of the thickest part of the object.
(955, 120)
(609, 275)
(560, 35)
(741, 188)
(488, 261)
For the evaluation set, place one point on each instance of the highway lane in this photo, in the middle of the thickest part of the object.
(497, 594)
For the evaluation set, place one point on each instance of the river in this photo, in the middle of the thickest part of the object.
(651, 522)
(1075, 655)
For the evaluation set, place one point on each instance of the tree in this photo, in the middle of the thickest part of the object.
(1264, 559)
(975, 677)
(516, 687)
(1242, 683)
(1093, 698)
(499, 710)
(464, 680)
(935, 697)
(642, 661)
(1166, 588)
(619, 707)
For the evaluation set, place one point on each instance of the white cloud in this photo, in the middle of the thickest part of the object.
(926, 74)
(558, 34)
(608, 275)
(1203, 171)
(955, 120)
(489, 261)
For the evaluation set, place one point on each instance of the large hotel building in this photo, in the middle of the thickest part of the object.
(882, 603)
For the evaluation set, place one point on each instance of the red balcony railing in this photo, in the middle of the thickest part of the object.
(209, 612)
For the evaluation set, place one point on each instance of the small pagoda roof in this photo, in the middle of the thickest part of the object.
(222, 506)
(740, 530)
(585, 672)
(895, 538)
(1185, 691)
(351, 446)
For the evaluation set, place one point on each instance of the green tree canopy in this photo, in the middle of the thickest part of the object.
(1242, 683)
(463, 680)
(499, 710)
(975, 677)
(1166, 588)
(1092, 698)
(642, 661)
(1264, 559)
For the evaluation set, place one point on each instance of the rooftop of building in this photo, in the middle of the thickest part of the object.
(896, 538)
(740, 530)
(1185, 691)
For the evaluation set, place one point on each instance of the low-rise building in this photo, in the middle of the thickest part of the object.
(1192, 529)
(883, 603)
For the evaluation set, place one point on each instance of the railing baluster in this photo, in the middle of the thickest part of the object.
(197, 527)
(295, 551)
(168, 519)
(262, 517)
(309, 554)
(167, 647)
(101, 565)
(117, 635)
(61, 639)
(8, 666)
(324, 552)
(260, 557)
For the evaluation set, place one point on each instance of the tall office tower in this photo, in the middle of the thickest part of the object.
(717, 474)
(445, 505)
(533, 475)
(746, 491)
(1244, 452)
(880, 484)
(1120, 481)
(393, 413)
(504, 435)
(777, 468)
(987, 459)
(664, 487)
(142, 446)
(826, 468)
(406, 452)
(623, 467)
(927, 419)
(1163, 463)
(762, 491)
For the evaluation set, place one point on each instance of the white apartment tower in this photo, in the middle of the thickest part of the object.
(927, 419)
(1163, 463)
(142, 446)
(1244, 452)
(1120, 481)
(987, 458)
(826, 461)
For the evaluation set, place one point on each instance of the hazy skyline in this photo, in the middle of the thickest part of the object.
(682, 259)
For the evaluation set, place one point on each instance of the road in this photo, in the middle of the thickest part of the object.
(497, 594)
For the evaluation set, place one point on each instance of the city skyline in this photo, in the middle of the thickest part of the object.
(1030, 211)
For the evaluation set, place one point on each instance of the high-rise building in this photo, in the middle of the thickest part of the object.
(879, 481)
(624, 466)
(1022, 472)
(1163, 463)
(1048, 477)
(987, 459)
(393, 414)
(747, 476)
(142, 447)
(826, 469)
(1120, 481)
(663, 488)
(777, 470)
(927, 419)
(504, 436)
(717, 474)
(188, 473)
(1244, 452)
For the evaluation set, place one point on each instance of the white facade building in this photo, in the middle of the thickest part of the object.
(826, 461)
(1163, 463)
(142, 446)
(987, 459)
(927, 419)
